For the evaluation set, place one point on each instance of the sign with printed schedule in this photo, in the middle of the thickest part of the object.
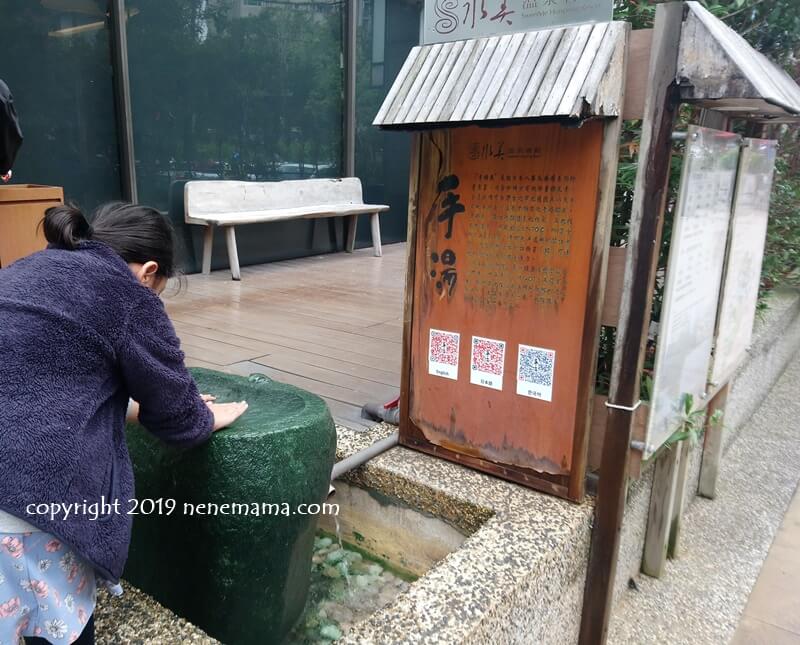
(503, 246)
(694, 273)
(446, 20)
(742, 276)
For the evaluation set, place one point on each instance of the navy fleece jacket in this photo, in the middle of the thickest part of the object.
(79, 335)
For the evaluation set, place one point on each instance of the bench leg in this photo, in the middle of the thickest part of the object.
(233, 255)
(208, 244)
(351, 233)
(375, 223)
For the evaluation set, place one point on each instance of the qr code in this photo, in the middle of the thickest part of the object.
(444, 347)
(488, 355)
(536, 365)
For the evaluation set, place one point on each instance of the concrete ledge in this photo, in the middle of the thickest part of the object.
(500, 585)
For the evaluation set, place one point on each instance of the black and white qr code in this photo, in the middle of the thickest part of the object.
(536, 365)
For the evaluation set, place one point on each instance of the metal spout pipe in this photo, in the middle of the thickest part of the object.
(363, 456)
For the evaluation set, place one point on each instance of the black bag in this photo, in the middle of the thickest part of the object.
(10, 133)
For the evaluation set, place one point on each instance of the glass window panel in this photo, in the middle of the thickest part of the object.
(387, 31)
(237, 89)
(56, 59)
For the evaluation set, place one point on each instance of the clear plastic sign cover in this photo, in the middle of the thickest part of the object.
(694, 273)
(459, 19)
(745, 252)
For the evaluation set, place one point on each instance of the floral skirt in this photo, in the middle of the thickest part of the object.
(45, 589)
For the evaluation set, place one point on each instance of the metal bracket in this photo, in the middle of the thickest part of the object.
(627, 408)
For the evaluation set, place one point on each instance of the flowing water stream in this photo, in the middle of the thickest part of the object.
(347, 585)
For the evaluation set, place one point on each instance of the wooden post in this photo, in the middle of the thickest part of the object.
(644, 243)
(659, 518)
(411, 263)
(609, 163)
(679, 499)
(712, 447)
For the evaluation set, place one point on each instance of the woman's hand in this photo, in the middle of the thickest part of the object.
(132, 414)
(226, 413)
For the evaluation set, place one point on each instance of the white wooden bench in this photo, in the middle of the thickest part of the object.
(233, 203)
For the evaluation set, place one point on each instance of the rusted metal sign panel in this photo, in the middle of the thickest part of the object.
(500, 374)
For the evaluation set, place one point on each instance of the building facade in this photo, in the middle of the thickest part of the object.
(219, 89)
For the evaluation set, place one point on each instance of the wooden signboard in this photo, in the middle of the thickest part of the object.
(748, 234)
(694, 273)
(501, 351)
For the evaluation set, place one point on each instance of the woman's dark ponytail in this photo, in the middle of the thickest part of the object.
(65, 226)
(137, 233)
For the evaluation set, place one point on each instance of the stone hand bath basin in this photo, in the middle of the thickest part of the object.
(241, 573)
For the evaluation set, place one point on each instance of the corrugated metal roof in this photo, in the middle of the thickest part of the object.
(717, 64)
(573, 72)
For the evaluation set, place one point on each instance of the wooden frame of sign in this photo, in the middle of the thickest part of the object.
(673, 67)
(508, 245)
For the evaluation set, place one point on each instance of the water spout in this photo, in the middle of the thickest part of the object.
(362, 456)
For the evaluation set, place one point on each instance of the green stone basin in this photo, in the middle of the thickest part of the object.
(243, 576)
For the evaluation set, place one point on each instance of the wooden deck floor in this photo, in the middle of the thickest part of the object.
(330, 324)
